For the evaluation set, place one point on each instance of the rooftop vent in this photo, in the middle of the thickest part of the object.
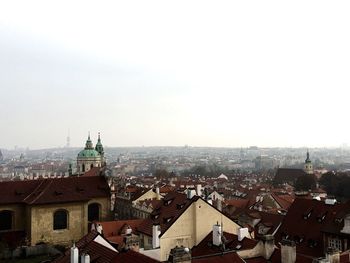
(17, 192)
(330, 201)
(79, 189)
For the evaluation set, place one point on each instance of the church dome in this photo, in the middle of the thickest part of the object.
(88, 153)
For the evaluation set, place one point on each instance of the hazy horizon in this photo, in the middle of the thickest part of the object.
(198, 73)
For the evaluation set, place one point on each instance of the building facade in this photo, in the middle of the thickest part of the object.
(55, 211)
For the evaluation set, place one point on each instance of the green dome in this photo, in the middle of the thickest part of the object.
(88, 153)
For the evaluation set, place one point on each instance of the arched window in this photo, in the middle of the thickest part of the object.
(6, 219)
(60, 220)
(83, 167)
(94, 212)
(92, 166)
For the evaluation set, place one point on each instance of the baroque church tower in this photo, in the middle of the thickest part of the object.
(90, 157)
(308, 164)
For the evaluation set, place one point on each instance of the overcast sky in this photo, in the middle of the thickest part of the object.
(235, 73)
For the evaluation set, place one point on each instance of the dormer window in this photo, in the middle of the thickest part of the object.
(156, 216)
(307, 214)
(168, 202)
(338, 220)
(79, 189)
(322, 217)
(167, 219)
(180, 206)
(298, 239)
(17, 192)
(312, 243)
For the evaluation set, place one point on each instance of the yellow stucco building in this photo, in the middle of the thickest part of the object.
(181, 221)
(56, 210)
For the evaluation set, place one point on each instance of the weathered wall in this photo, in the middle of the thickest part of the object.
(41, 218)
(193, 226)
(42, 224)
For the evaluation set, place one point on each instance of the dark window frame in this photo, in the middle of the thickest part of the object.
(60, 219)
(9, 223)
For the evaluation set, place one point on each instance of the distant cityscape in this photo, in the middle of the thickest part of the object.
(146, 160)
(175, 204)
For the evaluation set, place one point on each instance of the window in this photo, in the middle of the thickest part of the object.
(334, 243)
(60, 220)
(6, 219)
(94, 212)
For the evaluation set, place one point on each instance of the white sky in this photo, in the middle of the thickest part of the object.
(203, 73)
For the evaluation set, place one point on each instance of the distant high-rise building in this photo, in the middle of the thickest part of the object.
(68, 141)
(1, 156)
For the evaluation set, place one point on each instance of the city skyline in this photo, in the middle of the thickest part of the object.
(173, 74)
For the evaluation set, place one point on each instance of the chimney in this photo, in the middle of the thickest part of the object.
(199, 189)
(257, 199)
(268, 245)
(217, 233)
(288, 251)
(242, 233)
(74, 254)
(158, 192)
(180, 254)
(219, 204)
(85, 258)
(190, 193)
(330, 201)
(99, 229)
(155, 236)
(333, 255)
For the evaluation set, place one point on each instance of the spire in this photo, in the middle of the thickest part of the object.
(88, 144)
(307, 157)
(99, 146)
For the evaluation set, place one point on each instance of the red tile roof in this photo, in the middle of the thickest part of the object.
(220, 258)
(112, 229)
(288, 175)
(239, 203)
(95, 171)
(285, 200)
(139, 192)
(205, 247)
(53, 190)
(300, 258)
(97, 252)
(166, 189)
(304, 223)
(132, 257)
(172, 206)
